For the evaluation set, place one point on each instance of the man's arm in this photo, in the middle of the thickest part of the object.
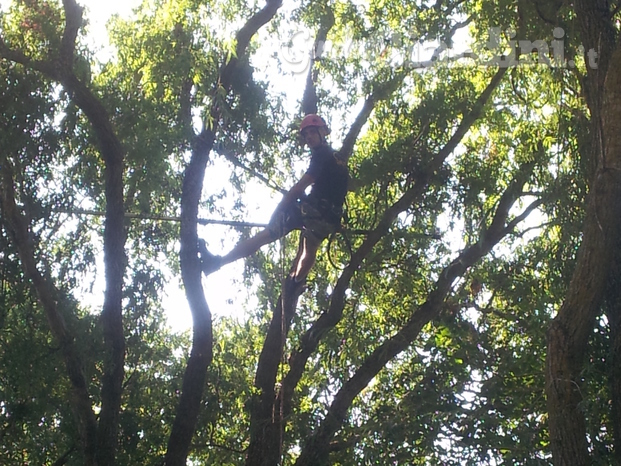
(296, 191)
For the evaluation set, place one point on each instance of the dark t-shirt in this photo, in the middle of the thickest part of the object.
(330, 176)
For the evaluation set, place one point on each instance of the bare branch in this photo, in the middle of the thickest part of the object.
(65, 457)
(460, 24)
(523, 232)
(245, 34)
(520, 218)
(18, 56)
(381, 92)
(309, 99)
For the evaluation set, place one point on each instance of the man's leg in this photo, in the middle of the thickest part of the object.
(305, 259)
(244, 248)
(249, 246)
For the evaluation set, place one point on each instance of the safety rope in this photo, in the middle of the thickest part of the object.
(283, 336)
(162, 218)
(343, 234)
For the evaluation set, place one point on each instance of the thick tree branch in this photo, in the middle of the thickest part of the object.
(309, 98)
(599, 37)
(48, 295)
(245, 34)
(115, 260)
(571, 329)
(46, 67)
(266, 422)
(73, 23)
(381, 91)
(64, 458)
(317, 448)
(612, 306)
(202, 336)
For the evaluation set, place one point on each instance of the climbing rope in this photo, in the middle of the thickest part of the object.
(283, 335)
(163, 218)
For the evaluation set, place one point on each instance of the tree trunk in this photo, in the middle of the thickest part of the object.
(570, 330)
(266, 426)
(614, 376)
(202, 338)
(613, 312)
(201, 355)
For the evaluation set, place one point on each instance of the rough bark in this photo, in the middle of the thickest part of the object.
(612, 308)
(598, 39)
(317, 448)
(202, 335)
(570, 330)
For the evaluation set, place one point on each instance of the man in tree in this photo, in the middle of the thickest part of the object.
(317, 215)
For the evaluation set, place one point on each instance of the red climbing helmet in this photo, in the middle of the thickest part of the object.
(312, 120)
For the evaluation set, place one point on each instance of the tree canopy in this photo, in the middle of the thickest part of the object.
(468, 311)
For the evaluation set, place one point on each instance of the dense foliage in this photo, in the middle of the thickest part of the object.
(421, 333)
